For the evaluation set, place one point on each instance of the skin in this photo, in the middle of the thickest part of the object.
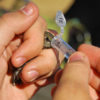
(80, 78)
(72, 81)
(12, 28)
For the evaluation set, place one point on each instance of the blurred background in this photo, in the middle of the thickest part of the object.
(83, 17)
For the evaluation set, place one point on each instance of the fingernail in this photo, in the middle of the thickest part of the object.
(27, 10)
(20, 61)
(32, 75)
(76, 57)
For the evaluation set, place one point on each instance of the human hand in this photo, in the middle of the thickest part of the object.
(33, 27)
(73, 83)
(45, 60)
(79, 81)
(12, 24)
(93, 54)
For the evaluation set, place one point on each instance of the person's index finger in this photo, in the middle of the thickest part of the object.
(16, 23)
(92, 52)
(32, 43)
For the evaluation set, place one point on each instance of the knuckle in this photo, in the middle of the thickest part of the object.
(50, 59)
(81, 47)
(42, 22)
(49, 64)
(6, 16)
(6, 20)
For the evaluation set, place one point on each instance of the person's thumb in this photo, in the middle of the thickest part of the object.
(15, 23)
(73, 84)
